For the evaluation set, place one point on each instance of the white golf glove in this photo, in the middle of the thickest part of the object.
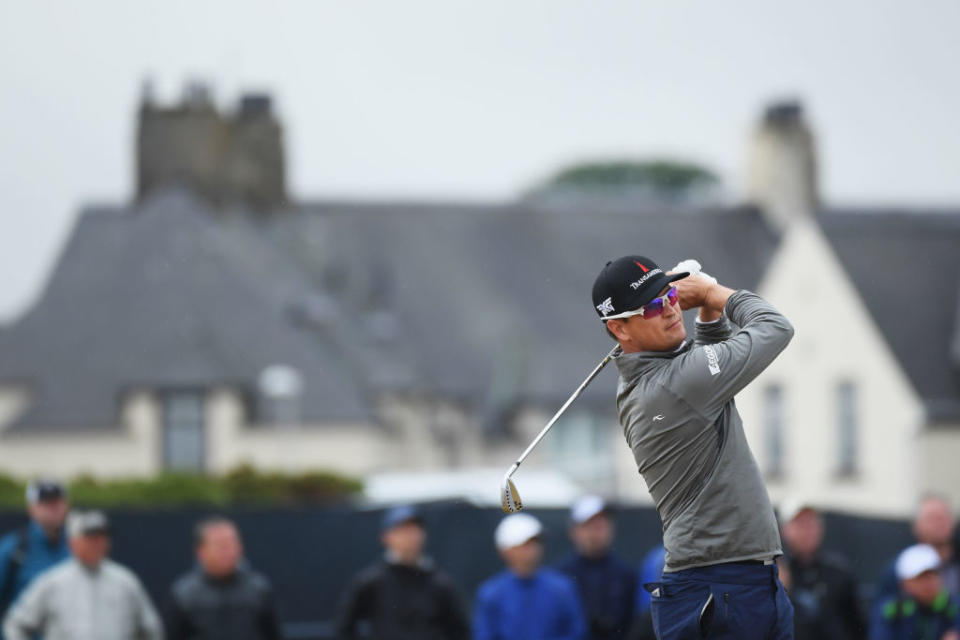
(694, 268)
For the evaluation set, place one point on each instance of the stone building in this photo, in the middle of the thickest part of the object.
(212, 322)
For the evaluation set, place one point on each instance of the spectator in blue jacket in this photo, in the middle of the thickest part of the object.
(651, 568)
(607, 585)
(526, 601)
(924, 609)
(41, 544)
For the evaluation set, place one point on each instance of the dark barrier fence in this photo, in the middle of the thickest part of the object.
(310, 554)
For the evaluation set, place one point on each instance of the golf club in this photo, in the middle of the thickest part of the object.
(509, 497)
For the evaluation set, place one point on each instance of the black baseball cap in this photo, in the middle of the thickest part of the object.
(628, 283)
(45, 490)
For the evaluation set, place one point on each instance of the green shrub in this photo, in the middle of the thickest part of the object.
(11, 492)
(242, 485)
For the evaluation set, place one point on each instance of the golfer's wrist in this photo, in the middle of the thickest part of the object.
(715, 300)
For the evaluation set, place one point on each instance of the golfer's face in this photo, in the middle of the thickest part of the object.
(659, 333)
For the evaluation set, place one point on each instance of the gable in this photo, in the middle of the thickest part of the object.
(905, 265)
(836, 344)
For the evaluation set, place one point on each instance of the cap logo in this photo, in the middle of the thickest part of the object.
(605, 307)
(646, 276)
(641, 266)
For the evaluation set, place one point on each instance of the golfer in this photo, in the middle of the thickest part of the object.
(675, 401)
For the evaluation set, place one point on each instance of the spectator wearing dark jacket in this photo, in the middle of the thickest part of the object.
(221, 598)
(404, 597)
(607, 585)
(821, 586)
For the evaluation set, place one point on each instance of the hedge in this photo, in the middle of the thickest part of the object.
(242, 485)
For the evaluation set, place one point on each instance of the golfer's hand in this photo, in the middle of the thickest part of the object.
(692, 291)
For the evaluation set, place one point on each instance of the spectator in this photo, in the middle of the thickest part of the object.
(88, 597)
(404, 597)
(607, 585)
(221, 598)
(933, 524)
(651, 570)
(924, 610)
(525, 601)
(822, 586)
(28, 552)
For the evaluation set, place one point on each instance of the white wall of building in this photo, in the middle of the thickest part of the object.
(939, 451)
(346, 448)
(128, 449)
(836, 341)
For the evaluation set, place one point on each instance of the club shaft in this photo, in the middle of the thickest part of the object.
(556, 416)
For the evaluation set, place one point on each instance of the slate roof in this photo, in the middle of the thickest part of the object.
(906, 266)
(165, 296)
(495, 300)
(486, 304)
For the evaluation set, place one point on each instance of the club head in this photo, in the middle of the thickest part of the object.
(509, 497)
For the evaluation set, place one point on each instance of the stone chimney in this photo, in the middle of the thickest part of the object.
(225, 158)
(782, 165)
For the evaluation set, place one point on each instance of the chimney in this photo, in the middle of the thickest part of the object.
(782, 165)
(226, 159)
(254, 171)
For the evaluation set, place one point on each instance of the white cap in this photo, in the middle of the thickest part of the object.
(791, 507)
(516, 529)
(587, 507)
(915, 560)
(82, 523)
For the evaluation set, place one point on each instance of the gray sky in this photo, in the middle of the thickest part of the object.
(454, 99)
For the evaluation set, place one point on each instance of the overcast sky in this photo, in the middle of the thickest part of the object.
(478, 100)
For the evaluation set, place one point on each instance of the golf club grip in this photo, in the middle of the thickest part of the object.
(556, 416)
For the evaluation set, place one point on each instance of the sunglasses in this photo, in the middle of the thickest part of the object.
(652, 309)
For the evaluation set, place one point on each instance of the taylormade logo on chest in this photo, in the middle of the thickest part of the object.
(713, 362)
(639, 283)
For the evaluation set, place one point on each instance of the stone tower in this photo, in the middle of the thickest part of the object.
(228, 159)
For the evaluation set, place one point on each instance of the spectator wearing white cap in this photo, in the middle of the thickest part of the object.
(820, 583)
(88, 597)
(607, 585)
(933, 524)
(36, 547)
(526, 601)
(924, 610)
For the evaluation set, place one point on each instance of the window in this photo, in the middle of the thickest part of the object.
(773, 427)
(183, 446)
(846, 404)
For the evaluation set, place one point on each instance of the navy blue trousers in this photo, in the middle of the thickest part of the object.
(737, 601)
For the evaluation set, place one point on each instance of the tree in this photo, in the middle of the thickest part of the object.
(659, 178)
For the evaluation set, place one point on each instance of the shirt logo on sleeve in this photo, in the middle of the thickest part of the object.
(713, 362)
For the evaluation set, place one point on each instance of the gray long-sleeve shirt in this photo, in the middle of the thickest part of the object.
(680, 420)
(71, 602)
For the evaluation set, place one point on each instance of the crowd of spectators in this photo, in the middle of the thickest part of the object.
(58, 582)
